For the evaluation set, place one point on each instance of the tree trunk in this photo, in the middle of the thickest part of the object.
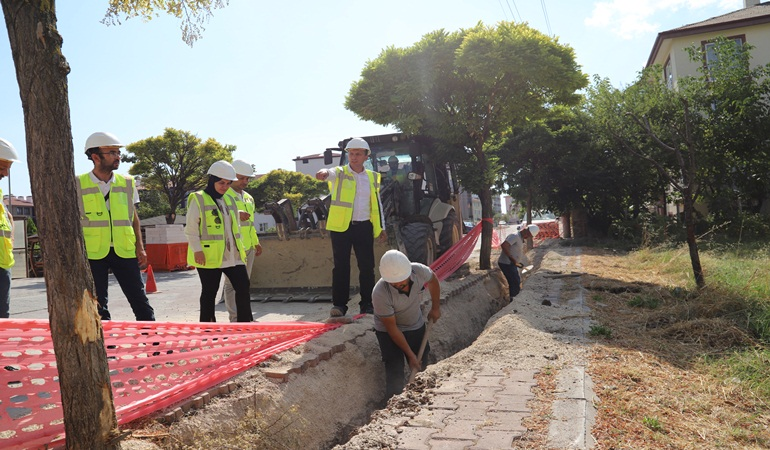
(487, 228)
(692, 244)
(78, 339)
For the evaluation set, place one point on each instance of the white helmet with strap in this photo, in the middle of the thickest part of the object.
(101, 139)
(7, 152)
(358, 143)
(395, 266)
(223, 170)
(243, 168)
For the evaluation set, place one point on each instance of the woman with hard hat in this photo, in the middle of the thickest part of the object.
(398, 320)
(8, 156)
(215, 246)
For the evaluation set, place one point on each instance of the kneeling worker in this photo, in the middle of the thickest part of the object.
(398, 320)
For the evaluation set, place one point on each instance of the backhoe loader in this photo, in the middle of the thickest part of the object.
(420, 205)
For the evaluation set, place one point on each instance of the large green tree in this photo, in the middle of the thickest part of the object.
(696, 134)
(560, 163)
(78, 340)
(175, 164)
(464, 88)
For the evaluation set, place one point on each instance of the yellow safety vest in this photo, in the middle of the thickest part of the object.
(343, 192)
(212, 233)
(103, 228)
(6, 238)
(248, 232)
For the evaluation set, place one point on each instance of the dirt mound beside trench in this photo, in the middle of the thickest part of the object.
(318, 393)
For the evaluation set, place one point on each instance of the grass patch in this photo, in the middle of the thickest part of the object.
(600, 330)
(696, 360)
(652, 423)
(640, 301)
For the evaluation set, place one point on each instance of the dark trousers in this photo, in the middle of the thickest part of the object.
(239, 279)
(511, 274)
(5, 293)
(394, 357)
(126, 271)
(360, 238)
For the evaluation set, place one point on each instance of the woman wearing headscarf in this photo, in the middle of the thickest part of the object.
(215, 247)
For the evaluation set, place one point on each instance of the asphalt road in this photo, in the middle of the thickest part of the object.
(177, 300)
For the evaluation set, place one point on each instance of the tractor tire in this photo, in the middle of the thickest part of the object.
(419, 242)
(450, 232)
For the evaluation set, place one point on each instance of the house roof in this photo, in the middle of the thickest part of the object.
(18, 201)
(744, 17)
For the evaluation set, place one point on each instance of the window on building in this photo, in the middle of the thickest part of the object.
(709, 49)
(262, 227)
(668, 73)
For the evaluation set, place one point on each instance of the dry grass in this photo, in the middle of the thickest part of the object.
(654, 390)
(538, 422)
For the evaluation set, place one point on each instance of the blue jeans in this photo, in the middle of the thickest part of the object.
(126, 271)
(5, 293)
(511, 274)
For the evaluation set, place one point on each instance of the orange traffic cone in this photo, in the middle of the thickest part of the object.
(149, 286)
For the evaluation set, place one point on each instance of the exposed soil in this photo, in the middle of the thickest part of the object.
(327, 402)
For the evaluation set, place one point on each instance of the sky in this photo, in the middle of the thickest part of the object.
(271, 77)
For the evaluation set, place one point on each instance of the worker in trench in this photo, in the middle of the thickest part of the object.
(513, 258)
(399, 323)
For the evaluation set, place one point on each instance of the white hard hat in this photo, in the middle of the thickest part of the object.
(243, 168)
(7, 152)
(534, 229)
(358, 143)
(223, 170)
(102, 139)
(395, 266)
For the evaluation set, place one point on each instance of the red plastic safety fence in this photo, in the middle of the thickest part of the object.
(548, 230)
(152, 365)
(456, 256)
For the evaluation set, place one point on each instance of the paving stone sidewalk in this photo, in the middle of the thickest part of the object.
(483, 405)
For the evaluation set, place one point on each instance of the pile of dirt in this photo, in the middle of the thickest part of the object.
(324, 399)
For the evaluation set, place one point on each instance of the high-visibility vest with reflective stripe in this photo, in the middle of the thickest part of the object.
(103, 228)
(212, 233)
(248, 232)
(6, 238)
(343, 192)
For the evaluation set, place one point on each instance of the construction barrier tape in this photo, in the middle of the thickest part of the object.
(152, 365)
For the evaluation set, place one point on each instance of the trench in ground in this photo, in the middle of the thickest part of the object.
(317, 394)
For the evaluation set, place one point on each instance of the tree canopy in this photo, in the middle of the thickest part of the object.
(703, 135)
(193, 13)
(175, 163)
(463, 88)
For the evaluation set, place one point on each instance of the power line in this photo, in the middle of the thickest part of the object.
(503, 8)
(547, 21)
(517, 10)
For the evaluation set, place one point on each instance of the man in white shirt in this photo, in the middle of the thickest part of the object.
(355, 219)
